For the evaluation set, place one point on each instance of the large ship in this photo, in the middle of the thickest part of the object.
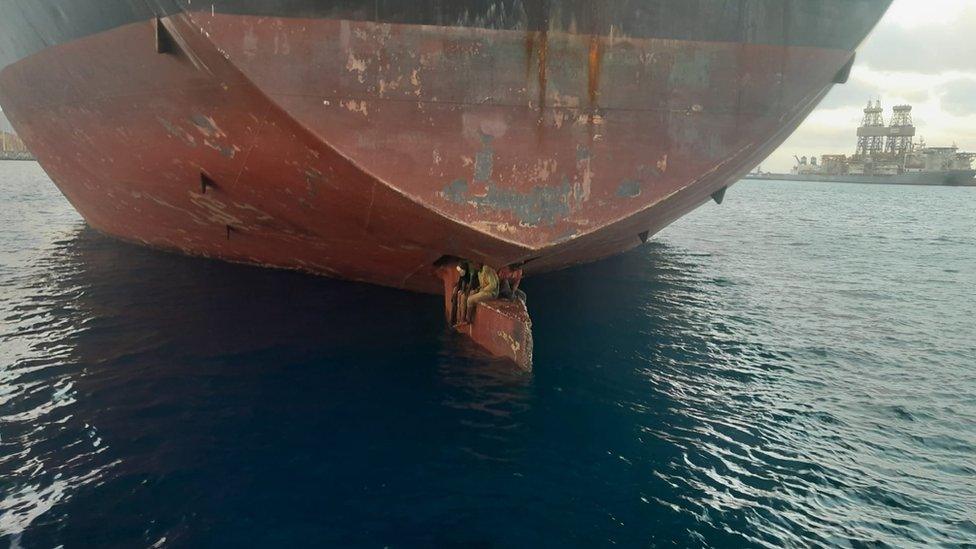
(379, 140)
(886, 155)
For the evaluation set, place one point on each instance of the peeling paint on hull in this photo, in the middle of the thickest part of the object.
(368, 150)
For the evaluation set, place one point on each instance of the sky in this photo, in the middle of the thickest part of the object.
(4, 123)
(922, 53)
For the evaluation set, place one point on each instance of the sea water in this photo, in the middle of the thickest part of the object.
(794, 367)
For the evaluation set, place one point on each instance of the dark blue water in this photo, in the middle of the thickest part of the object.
(796, 367)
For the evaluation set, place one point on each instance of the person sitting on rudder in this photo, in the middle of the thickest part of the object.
(467, 281)
(487, 289)
(510, 277)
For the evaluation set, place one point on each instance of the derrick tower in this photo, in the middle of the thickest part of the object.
(871, 135)
(901, 131)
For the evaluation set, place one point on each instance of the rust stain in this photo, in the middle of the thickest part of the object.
(543, 76)
(529, 53)
(595, 66)
(543, 69)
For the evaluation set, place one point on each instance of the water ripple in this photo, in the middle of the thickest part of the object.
(788, 369)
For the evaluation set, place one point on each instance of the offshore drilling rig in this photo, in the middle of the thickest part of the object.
(887, 153)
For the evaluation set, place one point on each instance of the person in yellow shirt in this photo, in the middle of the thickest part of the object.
(487, 289)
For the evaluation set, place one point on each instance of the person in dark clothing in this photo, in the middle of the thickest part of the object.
(511, 278)
(462, 289)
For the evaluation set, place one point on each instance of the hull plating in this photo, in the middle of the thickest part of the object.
(370, 150)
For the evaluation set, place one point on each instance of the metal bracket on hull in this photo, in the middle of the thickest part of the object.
(169, 41)
(719, 195)
(845, 72)
(164, 40)
(644, 236)
(206, 183)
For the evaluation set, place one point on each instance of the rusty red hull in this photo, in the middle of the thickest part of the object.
(369, 150)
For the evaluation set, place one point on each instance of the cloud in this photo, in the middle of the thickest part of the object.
(931, 47)
(914, 13)
(959, 97)
(855, 92)
(924, 54)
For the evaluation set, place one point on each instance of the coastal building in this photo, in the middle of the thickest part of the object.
(10, 144)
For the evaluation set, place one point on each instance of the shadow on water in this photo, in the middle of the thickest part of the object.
(195, 401)
(679, 397)
(174, 391)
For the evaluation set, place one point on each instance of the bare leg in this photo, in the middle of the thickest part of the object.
(454, 307)
(462, 300)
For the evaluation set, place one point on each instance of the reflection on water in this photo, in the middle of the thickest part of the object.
(684, 393)
(137, 368)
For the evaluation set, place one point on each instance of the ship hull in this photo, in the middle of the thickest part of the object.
(372, 148)
(955, 178)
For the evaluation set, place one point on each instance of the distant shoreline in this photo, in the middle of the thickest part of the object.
(10, 155)
(957, 178)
